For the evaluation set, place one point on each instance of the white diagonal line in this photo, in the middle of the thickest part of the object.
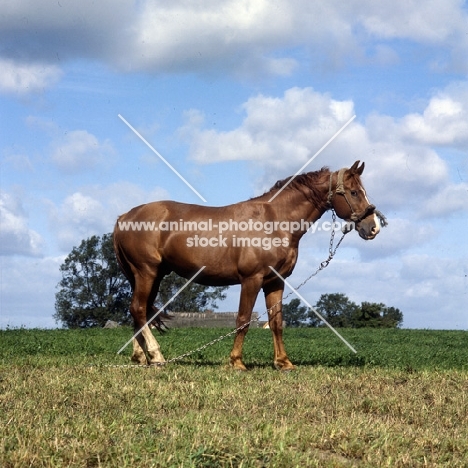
(160, 156)
(315, 312)
(161, 309)
(312, 158)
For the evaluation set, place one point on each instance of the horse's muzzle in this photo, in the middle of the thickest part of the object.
(368, 227)
(366, 223)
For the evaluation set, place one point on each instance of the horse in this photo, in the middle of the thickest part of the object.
(235, 244)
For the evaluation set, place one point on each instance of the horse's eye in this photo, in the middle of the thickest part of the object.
(353, 193)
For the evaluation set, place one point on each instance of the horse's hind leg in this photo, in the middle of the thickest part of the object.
(142, 300)
(138, 355)
(155, 355)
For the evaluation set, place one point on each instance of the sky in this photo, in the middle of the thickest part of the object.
(237, 94)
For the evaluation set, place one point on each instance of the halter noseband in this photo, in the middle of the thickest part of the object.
(355, 217)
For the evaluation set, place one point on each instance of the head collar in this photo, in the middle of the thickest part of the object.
(340, 190)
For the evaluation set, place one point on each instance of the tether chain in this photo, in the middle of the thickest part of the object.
(331, 253)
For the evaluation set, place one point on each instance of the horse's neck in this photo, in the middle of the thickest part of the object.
(292, 205)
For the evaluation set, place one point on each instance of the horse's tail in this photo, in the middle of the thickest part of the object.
(160, 322)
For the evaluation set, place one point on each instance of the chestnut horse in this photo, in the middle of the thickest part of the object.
(236, 244)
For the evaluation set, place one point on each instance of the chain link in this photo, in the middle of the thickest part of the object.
(331, 253)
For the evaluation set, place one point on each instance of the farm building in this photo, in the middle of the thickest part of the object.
(207, 319)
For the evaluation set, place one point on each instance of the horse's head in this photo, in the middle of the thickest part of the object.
(350, 202)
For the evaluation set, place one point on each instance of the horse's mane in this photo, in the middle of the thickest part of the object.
(308, 183)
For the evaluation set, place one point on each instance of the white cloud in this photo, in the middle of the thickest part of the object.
(94, 210)
(242, 37)
(401, 235)
(24, 78)
(120, 197)
(385, 55)
(27, 290)
(79, 216)
(279, 131)
(444, 121)
(403, 176)
(433, 21)
(451, 199)
(19, 162)
(79, 150)
(425, 267)
(230, 34)
(438, 285)
(16, 238)
(74, 151)
(280, 134)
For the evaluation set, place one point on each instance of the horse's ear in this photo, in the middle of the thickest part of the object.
(356, 169)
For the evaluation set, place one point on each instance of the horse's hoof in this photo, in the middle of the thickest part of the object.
(157, 361)
(139, 359)
(284, 367)
(157, 365)
(237, 365)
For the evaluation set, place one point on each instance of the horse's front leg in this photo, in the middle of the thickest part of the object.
(249, 292)
(274, 299)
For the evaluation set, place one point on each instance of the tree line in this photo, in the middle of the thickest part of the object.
(340, 312)
(93, 290)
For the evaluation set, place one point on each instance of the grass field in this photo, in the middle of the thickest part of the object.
(401, 401)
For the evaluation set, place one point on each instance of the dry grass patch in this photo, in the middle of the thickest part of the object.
(212, 416)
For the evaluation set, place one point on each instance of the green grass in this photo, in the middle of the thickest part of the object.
(389, 348)
(401, 401)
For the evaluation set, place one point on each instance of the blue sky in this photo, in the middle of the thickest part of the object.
(236, 95)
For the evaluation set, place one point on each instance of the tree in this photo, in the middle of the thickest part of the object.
(93, 289)
(294, 314)
(377, 316)
(336, 308)
(392, 317)
(339, 311)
